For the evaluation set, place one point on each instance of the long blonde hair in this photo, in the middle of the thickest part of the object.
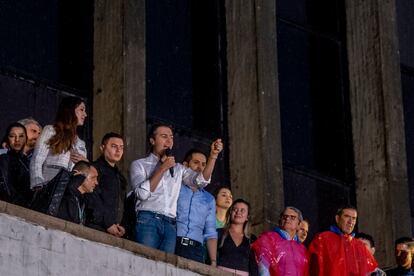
(227, 225)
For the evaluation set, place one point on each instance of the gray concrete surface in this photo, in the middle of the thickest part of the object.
(32, 243)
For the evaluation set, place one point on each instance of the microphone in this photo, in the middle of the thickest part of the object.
(168, 153)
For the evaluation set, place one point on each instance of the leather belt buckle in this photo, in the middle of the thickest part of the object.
(185, 241)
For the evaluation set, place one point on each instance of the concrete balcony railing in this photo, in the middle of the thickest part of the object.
(32, 243)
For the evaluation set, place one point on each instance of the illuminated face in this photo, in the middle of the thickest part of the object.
(91, 180)
(303, 231)
(239, 213)
(403, 255)
(346, 221)
(80, 112)
(198, 162)
(17, 138)
(224, 198)
(33, 132)
(162, 139)
(289, 220)
(113, 150)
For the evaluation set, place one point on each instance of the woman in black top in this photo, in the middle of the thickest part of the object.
(234, 253)
(14, 168)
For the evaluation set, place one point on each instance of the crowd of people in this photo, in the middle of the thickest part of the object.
(46, 169)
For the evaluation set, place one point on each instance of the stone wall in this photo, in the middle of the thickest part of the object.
(35, 244)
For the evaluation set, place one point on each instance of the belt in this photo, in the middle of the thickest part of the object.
(159, 216)
(188, 242)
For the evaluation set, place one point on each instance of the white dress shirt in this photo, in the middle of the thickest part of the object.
(44, 165)
(164, 199)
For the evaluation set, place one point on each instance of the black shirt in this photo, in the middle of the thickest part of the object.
(236, 257)
(107, 201)
(399, 271)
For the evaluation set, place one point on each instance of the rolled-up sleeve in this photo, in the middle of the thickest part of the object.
(191, 177)
(139, 180)
(210, 231)
(40, 154)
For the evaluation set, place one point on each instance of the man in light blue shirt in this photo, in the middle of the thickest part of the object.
(196, 215)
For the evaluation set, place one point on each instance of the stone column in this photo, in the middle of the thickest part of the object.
(119, 74)
(253, 108)
(378, 124)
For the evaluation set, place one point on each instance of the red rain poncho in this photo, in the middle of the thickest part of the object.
(339, 255)
(280, 256)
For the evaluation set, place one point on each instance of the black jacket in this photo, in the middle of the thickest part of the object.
(107, 201)
(15, 178)
(48, 199)
(398, 271)
(72, 205)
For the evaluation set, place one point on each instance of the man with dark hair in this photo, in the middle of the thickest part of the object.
(83, 180)
(157, 180)
(404, 252)
(337, 252)
(196, 215)
(279, 252)
(369, 243)
(107, 201)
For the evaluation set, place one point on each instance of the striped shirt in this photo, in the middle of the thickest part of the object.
(44, 165)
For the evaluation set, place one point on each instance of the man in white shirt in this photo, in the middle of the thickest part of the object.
(157, 180)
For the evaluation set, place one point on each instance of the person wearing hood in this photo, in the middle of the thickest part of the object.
(279, 252)
(337, 253)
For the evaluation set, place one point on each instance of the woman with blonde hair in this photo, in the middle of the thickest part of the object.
(59, 146)
(233, 250)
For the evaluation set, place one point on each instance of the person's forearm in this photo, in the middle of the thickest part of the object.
(208, 170)
(212, 251)
(155, 179)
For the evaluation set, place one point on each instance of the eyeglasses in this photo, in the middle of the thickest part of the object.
(291, 217)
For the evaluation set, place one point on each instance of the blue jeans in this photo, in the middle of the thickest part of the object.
(156, 231)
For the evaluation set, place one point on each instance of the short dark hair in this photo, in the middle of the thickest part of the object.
(341, 209)
(189, 155)
(110, 135)
(82, 166)
(403, 240)
(154, 128)
(367, 237)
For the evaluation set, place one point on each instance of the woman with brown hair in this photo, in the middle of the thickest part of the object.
(233, 250)
(224, 199)
(59, 145)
